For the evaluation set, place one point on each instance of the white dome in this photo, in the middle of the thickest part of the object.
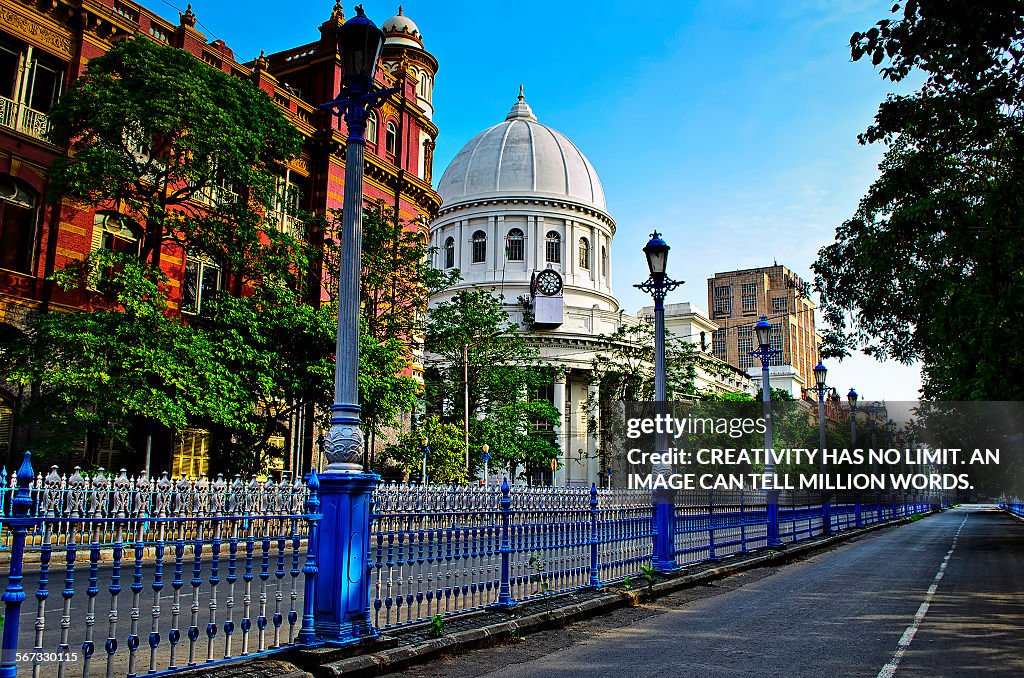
(522, 158)
(401, 30)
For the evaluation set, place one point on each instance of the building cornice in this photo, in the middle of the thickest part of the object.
(526, 202)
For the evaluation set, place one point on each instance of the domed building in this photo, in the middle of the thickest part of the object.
(523, 212)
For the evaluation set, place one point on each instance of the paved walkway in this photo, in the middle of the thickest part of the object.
(943, 596)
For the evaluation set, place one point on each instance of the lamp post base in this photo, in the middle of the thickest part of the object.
(342, 612)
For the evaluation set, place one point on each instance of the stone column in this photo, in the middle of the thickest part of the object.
(594, 439)
(560, 434)
(463, 247)
(497, 242)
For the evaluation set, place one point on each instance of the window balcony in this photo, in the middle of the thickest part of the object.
(21, 118)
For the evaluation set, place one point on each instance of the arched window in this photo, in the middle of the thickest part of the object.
(516, 245)
(423, 88)
(479, 247)
(553, 248)
(116, 232)
(604, 261)
(449, 253)
(584, 254)
(391, 138)
(17, 222)
(371, 128)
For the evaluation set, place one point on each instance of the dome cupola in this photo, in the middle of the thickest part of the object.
(401, 30)
(520, 157)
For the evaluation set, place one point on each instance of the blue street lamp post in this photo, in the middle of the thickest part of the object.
(658, 285)
(486, 459)
(820, 372)
(851, 398)
(426, 452)
(342, 610)
(764, 353)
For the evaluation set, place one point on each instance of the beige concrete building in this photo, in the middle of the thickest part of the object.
(737, 299)
(690, 323)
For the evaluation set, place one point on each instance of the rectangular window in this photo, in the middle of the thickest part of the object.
(723, 301)
(746, 345)
(780, 304)
(718, 344)
(201, 282)
(775, 341)
(191, 456)
(287, 203)
(748, 291)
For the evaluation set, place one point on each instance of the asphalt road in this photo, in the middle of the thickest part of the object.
(943, 596)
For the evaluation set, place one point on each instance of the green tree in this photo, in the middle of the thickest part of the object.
(189, 151)
(504, 379)
(397, 277)
(931, 265)
(102, 371)
(444, 461)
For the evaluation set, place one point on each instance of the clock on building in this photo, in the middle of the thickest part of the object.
(548, 283)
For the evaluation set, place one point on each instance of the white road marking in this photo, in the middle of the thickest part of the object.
(889, 670)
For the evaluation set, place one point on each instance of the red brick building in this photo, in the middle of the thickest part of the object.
(44, 46)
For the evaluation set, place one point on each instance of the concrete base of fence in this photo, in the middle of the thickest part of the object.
(483, 629)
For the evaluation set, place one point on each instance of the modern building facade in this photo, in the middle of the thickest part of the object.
(523, 212)
(45, 46)
(737, 299)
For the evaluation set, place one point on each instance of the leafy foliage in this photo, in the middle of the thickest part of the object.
(504, 379)
(931, 265)
(171, 141)
(128, 360)
(445, 461)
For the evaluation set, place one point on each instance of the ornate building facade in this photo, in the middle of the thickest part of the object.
(45, 46)
(523, 212)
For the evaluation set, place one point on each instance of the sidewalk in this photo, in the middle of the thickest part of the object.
(415, 644)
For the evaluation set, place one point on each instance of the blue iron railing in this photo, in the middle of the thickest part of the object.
(1014, 506)
(151, 576)
(229, 556)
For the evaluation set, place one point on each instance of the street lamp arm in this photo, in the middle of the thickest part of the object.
(355, 107)
(659, 289)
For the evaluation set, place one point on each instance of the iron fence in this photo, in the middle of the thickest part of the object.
(1014, 506)
(155, 575)
(229, 556)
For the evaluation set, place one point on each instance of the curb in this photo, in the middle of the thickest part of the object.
(395, 658)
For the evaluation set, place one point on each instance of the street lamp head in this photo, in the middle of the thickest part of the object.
(656, 251)
(852, 398)
(819, 375)
(360, 43)
(423, 441)
(763, 328)
(485, 447)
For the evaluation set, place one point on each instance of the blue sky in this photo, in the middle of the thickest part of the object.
(730, 125)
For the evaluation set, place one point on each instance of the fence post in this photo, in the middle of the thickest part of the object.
(595, 579)
(858, 521)
(664, 530)
(14, 594)
(505, 589)
(711, 525)
(307, 634)
(743, 523)
(342, 609)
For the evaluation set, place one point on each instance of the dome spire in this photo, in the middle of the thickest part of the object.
(521, 110)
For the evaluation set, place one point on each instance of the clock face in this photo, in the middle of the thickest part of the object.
(549, 283)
